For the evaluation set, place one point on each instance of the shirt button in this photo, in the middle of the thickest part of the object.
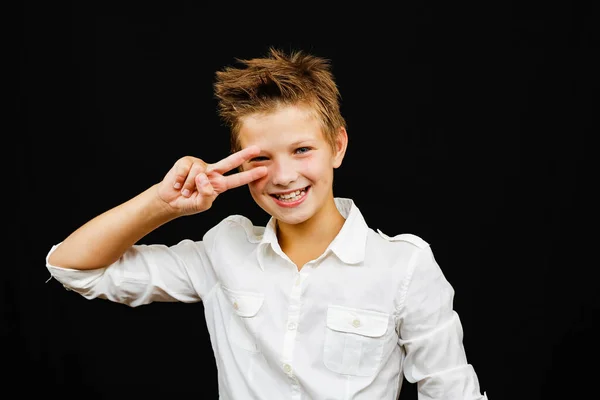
(287, 368)
(292, 326)
(356, 323)
(298, 281)
(236, 306)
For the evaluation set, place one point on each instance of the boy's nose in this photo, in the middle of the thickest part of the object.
(282, 173)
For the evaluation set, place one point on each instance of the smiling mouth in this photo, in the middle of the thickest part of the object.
(292, 196)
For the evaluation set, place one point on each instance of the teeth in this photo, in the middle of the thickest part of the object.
(291, 196)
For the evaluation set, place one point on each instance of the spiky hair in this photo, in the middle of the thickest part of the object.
(262, 85)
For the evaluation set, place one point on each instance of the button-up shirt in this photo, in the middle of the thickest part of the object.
(347, 325)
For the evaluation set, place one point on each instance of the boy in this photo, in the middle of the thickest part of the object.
(315, 305)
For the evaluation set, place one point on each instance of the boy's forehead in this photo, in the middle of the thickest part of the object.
(287, 125)
(279, 116)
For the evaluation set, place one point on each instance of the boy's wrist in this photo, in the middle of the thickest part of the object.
(157, 208)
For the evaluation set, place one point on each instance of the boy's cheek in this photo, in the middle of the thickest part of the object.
(258, 185)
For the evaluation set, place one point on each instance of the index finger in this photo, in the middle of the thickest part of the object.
(234, 160)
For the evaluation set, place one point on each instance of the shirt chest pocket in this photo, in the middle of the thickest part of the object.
(242, 322)
(354, 340)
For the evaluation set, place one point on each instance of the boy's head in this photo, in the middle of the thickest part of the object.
(263, 85)
(288, 106)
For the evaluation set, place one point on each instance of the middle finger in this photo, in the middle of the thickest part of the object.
(242, 178)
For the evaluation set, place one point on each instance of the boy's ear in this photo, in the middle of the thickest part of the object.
(341, 143)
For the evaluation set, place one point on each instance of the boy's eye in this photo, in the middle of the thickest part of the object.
(259, 158)
(302, 150)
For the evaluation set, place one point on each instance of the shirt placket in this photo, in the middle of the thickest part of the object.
(289, 339)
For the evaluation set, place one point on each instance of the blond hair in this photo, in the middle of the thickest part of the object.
(262, 85)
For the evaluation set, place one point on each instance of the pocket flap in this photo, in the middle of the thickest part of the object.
(244, 304)
(354, 320)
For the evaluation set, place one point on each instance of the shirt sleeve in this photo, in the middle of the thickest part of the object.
(431, 333)
(147, 273)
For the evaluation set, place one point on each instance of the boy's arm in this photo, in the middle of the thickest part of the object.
(432, 336)
(103, 240)
(190, 187)
(101, 260)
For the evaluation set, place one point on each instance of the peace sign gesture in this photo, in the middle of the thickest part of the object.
(192, 185)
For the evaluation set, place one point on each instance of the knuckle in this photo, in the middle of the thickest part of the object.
(185, 160)
(199, 165)
(182, 165)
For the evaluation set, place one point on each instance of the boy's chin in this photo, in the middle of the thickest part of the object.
(291, 221)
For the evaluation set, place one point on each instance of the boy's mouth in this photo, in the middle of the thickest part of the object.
(292, 196)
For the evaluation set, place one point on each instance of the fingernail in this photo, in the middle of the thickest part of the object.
(177, 185)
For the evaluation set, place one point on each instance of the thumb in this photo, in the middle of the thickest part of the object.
(203, 185)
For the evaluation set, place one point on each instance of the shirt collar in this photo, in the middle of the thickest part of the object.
(270, 232)
(349, 243)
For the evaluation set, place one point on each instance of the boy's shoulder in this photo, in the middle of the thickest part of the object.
(240, 223)
(405, 238)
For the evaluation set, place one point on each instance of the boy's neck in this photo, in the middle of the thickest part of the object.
(308, 240)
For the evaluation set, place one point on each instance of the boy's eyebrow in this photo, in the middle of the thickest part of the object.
(299, 142)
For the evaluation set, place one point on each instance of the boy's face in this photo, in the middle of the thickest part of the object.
(299, 162)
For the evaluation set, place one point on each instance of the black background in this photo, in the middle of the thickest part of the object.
(470, 125)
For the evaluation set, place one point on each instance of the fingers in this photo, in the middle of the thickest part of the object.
(185, 171)
(245, 177)
(191, 174)
(234, 160)
(189, 185)
(203, 185)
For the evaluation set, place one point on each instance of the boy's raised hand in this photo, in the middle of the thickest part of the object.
(192, 185)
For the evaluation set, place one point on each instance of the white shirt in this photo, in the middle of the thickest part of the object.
(346, 326)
